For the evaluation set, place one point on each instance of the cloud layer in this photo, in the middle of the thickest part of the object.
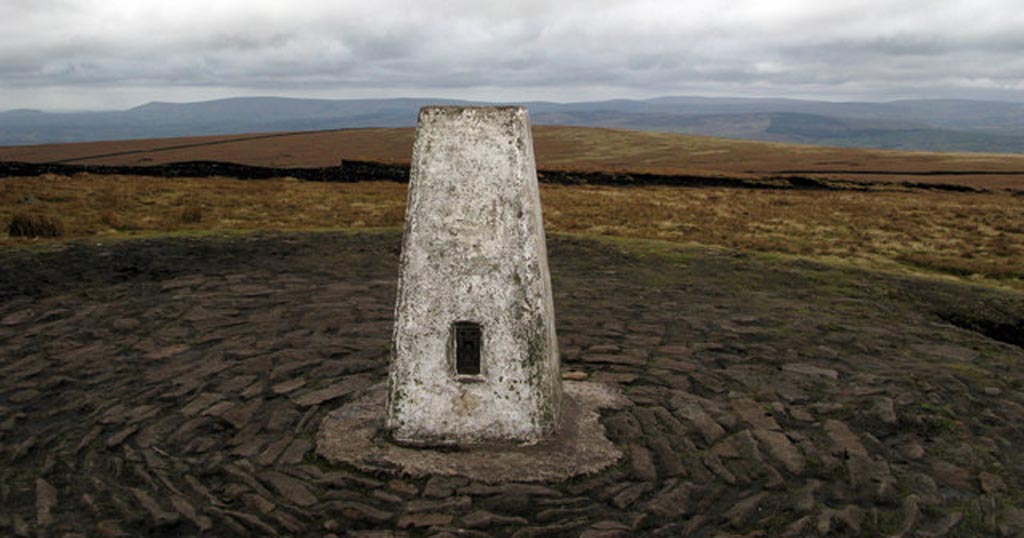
(90, 52)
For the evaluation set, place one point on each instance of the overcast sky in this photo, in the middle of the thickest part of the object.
(89, 54)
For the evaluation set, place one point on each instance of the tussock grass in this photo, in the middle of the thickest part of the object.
(95, 205)
(973, 235)
(962, 234)
(34, 225)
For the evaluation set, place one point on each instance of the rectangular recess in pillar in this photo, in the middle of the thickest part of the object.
(467, 348)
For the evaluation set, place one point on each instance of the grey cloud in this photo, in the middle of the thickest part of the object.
(22, 7)
(627, 47)
(908, 45)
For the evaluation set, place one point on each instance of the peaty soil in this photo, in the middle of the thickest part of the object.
(174, 387)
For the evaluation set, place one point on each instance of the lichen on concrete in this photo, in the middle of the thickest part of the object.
(473, 251)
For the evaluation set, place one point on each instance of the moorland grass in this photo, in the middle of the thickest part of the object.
(976, 235)
(561, 148)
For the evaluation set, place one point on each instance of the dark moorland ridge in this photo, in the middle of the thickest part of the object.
(932, 125)
(352, 171)
(175, 387)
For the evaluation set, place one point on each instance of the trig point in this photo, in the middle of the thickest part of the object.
(475, 357)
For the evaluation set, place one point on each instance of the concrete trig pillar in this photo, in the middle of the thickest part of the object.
(475, 356)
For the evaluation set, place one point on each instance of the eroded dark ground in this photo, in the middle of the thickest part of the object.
(174, 387)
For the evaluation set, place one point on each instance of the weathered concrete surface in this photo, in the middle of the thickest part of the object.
(473, 251)
(353, 435)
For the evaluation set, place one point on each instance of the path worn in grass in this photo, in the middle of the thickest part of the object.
(174, 386)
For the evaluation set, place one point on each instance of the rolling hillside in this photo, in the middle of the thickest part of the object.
(562, 148)
(931, 125)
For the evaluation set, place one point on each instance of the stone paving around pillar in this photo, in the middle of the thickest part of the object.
(174, 387)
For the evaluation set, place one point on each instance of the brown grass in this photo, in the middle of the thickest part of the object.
(34, 225)
(570, 148)
(106, 205)
(963, 234)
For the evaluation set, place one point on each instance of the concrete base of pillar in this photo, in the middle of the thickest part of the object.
(355, 435)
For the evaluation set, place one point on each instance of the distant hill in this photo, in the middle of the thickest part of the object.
(932, 125)
(558, 148)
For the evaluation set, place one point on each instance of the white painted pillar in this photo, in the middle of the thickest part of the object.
(475, 354)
